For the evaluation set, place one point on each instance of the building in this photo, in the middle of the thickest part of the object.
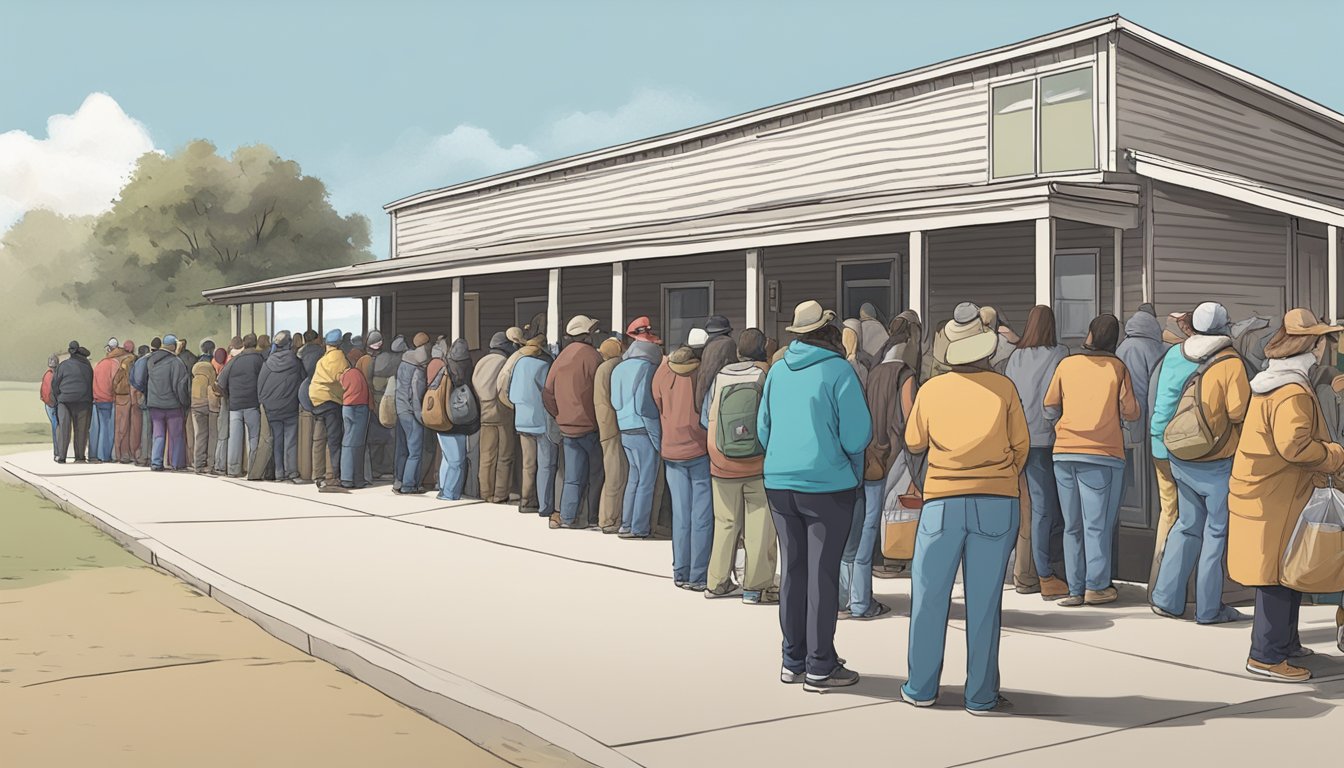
(1090, 169)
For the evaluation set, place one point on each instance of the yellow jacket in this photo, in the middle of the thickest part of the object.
(1093, 393)
(973, 427)
(326, 386)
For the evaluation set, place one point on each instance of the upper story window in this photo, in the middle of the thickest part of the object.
(1043, 125)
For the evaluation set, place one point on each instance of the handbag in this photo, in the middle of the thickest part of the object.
(1313, 561)
(901, 508)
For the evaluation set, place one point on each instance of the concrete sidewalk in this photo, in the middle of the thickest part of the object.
(571, 648)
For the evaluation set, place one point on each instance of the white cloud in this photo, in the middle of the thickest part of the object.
(648, 113)
(78, 168)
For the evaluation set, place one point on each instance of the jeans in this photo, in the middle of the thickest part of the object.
(410, 439)
(221, 454)
(51, 416)
(813, 528)
(102, 432)
(72, 425)
(637, 505)
(583, 477)
(1274, 633)
(548, 461)
(977, 534)
(354, 433)
(238, 419)
(692, 519)
(1089, 498)
(856, 563)
(1199, 537)
(1047, 520)
(452, 465)
(332, 432)
(170, 433)
(285, 446)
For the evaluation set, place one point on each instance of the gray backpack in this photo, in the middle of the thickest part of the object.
(462, 406)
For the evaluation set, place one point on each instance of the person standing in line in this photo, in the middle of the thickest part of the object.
(327, 397)
(312, 433)
(1141, 350)
(1090, 398)
(1284, 453)
(102, 431)
(496, 434)
(355, 406)
(49, 403)
(873, 334)
(223, 356)
(814, 427)
(568, 398)
(381, 367)
(204, 413)
(720, 350)
(169, 396)
(397, 349)
(1199, 537)
(686, 457)
(736, 467)
(521, 384)
(278, 393)
(1175, 333)
(454, 464)
(140, 389)
(463, 368)
(994, 320)
(411, 387)
(641, 431)
(125, 421)
(849, 343)
(615, 473)
(72, 385)
(238, 383)
(970, 423)
(1031, 367)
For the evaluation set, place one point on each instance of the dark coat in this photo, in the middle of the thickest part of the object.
(718, 352)
(309, 354)
(72, 383)
(238, 380)
(278, 385)
(169, 381)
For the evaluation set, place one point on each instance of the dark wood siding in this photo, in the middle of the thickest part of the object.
(587, 291)
(497, 293)
(990, 265)
(808, 271)
(727, 270)
(426, 306)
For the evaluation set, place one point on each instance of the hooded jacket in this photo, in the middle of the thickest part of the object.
(203, 378)
(325, 386)
(632, 391)
(411, 382)
(485, 380)
(872, 335)
(526, 380)
(743, 372)
(169, 382)
(1141, 350)
(568, 392)
(238, 382)
(385, 364)
(814, 422)
(887, 410)
(72, 383)
(720, 351)
(278, 385)
(1031, 370)
(103, 375)
(1225, 392)
(683, 438)
(309, 354)
(608, 424)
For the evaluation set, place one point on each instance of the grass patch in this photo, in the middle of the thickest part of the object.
(40, 543)
(12, 434)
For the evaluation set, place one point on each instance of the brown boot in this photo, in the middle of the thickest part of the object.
(1283, 671)
(1054, 588)
(1101, 596)
(555, 520)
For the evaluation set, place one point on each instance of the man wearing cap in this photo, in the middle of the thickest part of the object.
(412, 384)
(496, 435)
(568, 398)
(139, 394)
(238, 382)
(1199, 535)
(640, 427)
(72, 388)
(204, 412)
(328, 395)
(381, 368)
(278, 396)
(103, 429)
(169, 396)
(614, 471)
(720, 350)
(520, 390)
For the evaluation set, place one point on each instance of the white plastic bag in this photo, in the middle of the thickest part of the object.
(899, 520)
(1313, 561)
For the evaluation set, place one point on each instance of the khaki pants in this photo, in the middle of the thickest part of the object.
(317, 450)
(1169, 510)
(613, 486)
(528, 490)
(259, 465)
(204, 433)
(497, 456)
(305, 444)
(740, 508)
(1024, 564)
(191, 442)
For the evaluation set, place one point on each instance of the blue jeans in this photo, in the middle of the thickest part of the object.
(692, 519)
(977, 533)
(1089, 497)
(1198, 537)
(452, 465)
(238, 419)
(102, 432)
(355, 431)
(285, 446)
(51, 416)
(412, 437)
(583, 477)
(637, 506)
(856, 564)
(1047, 521)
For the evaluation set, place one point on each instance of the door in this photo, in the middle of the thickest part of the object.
(1310, 274)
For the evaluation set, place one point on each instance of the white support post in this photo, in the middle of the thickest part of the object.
(754, 276)
(618, 297)
(1117, 262)
(915, 297)
(456, 327)
(235, 320)
(553, 329)
(1332, 270)
(1045, 262)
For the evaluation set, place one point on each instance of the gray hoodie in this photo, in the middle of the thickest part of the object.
(1031, 370)
(1141, 350)
(411, 382)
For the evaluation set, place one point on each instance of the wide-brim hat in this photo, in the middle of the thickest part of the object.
(717, 325)
(1301, 322)
(809, 316)
(969, 342)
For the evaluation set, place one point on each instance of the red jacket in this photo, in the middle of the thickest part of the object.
(103, 374)
(568, 394)
(47, 397)
(356, 387)
(674, 394)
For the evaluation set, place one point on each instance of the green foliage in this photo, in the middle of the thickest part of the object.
(183, 223)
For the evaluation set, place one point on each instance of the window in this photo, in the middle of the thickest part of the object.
(1043, 125)
(685, 306)
(866, 282)
(1076, 292)
(527, 309)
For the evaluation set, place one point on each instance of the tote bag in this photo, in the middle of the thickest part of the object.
(1313, 561)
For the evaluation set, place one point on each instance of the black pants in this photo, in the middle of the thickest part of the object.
(72, 424)
(813, 529)
(330, 416)
(1274, 632)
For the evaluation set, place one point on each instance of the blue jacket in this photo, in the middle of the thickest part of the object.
(529, 377)
(814, 422)
(140, 374)
(632, 391)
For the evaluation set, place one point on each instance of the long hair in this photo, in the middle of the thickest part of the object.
(1103, 333)
(1040, 330)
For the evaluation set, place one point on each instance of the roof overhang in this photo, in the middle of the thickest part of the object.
(1087, 198)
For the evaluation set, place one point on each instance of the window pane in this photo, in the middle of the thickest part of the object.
(687, 308)
(871, 270)
(1075, 293)
(1014, 143)
(1067, 142)
(526, 309)
(856, 295)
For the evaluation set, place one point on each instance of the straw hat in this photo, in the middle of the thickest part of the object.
(809, 316)
(969, 342)
(1300, 322)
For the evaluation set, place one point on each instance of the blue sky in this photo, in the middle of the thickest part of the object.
(383, 99)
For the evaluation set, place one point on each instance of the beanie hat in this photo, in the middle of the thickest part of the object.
(112, 343)
(282, 340)
(420, 340)
(965, 312)
(374, 341)
(357, 342)
(1210, 318)
(221, 355)
(333, 336)
(500, 340)
(207, 347)
(171, 341)
(683, 361)
(697, 338)
(128, 345)
(609, 349)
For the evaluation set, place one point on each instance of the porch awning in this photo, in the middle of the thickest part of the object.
(1086, 198)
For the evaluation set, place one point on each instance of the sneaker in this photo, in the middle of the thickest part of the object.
(1054, 588)
(678, 584)
(331, 488)
(874, 611)
(1101, 596)
(555, 521)
(727, 589)
(839, 678)
(768, 597)
(611, 529)
(1072, 601)
(574, 526)
(1002, 706)
(632, 535)
(790, 678)
(1228, 615)
(1282, 672)
(1027, 589)
(912, 701)
(1165, 614)
(699, 587)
